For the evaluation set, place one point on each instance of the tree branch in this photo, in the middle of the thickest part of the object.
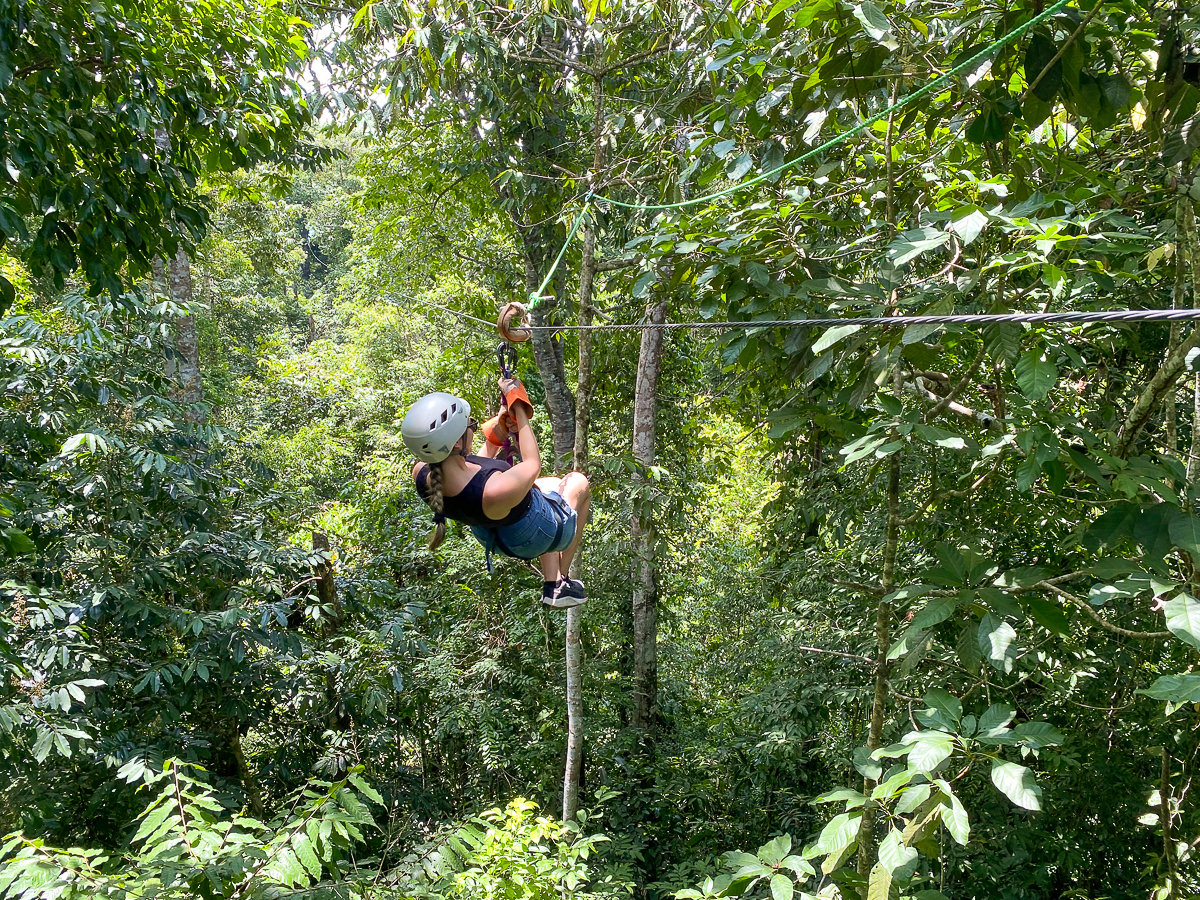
(1164, 380)
(618, 262)
(1053, 587)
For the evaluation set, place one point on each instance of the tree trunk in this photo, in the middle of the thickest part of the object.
(548, 350)
(249, 783)
(187, 343)
(587, 275)
(867, 838)
(574, 661)
(326, 586)
(175, 281)
(642, 531)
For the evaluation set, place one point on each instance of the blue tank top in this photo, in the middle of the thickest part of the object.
(467, 505)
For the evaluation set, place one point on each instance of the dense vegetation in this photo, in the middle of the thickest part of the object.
(875, 612)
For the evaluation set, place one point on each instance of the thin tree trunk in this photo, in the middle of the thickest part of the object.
(249, 783)
(574, 662)
(1183, 219)
(642, 530)
(175, 281)
(587, 274)
(326, 586)
(1190, 248)
(867, 838)
(548, 353)
(187, 342)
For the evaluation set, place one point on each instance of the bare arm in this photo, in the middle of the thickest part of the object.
(506, 489)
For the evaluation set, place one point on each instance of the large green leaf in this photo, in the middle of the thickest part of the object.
(1017, 784)
(996, 639)
(1174, 688)
(1035, 374)
(1183, 619)
(1038, 57)
(893, 854)
(946, 703)
(839, 832)
(954, 815)
(1185, 533)
(930, 750)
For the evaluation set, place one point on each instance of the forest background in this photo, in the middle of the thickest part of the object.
(875, 612)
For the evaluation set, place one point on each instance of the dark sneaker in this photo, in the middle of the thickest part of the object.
(572, 587)
(562, 595)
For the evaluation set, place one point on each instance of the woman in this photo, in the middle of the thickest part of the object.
(509, 508)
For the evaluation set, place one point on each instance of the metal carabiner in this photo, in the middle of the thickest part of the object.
(506, 355)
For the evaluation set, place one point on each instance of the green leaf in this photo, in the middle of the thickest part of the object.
(931, 749)
(1038, 56)
(954, 816)
(839, 832)
(1047, 614)
(1183, 619)
(968, 222)
(1174, 688)
(987, 128)
(997, 716)
(1017, 784)
(307, 856)
(996, 638)
(866, 765)
(781, 887)
(1038, 735)
(940, 437)
(773, 852)
(874, 22)
(936, 611)
(1035, 374)
(879, 884)
(1185, 533)
(893, 854)
(944, 702)
(17, 542)
(832, 336)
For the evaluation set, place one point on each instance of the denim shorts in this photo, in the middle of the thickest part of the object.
(533, 534)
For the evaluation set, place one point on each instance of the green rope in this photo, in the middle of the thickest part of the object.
(536, 298)
(842, 138)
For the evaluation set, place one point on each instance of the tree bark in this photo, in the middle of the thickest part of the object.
(326, 586)
(642, 529)
(574, 765)
(587, 275)
(175, 281)
(187, 343)
(548, 350)
(867, 837)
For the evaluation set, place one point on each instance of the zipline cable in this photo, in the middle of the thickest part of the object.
(1043, 318)
(941, 81)
(1046, 318)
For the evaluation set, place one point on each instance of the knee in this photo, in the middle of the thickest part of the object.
(578, 484)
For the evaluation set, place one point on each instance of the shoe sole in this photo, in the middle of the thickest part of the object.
(563, 602)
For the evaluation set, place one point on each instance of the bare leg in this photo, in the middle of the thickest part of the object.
(572, 487)
(551, 567)
(576, 491)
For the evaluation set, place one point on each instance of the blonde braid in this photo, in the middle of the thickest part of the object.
(434, 482)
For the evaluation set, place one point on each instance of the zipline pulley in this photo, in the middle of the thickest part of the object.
(513, 323)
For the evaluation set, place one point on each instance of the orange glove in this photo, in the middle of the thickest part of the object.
(495, 430)
(514, 392)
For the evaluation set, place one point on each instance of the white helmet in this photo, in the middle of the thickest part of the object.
(434, 424)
